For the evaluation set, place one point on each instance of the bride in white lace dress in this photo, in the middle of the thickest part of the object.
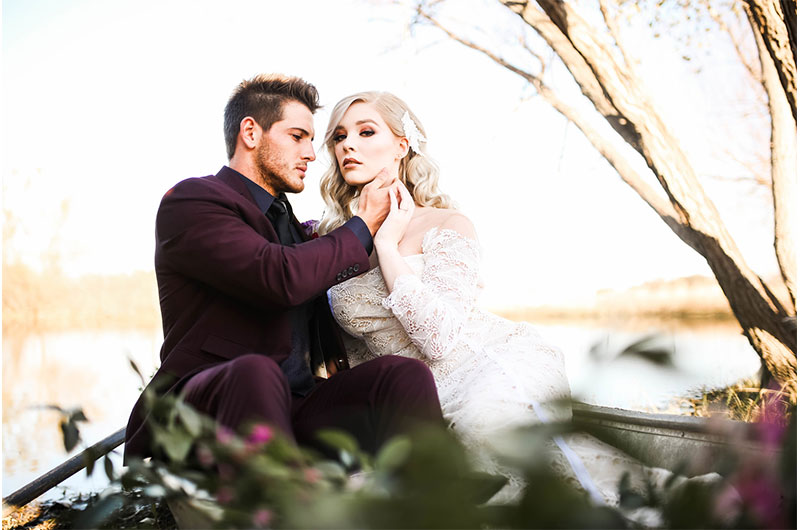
(492, 374)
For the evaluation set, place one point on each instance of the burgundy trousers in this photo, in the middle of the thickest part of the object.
(372, 401)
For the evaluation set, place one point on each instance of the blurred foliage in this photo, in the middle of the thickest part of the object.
(260, 479)
(652, 347)
(68, 423)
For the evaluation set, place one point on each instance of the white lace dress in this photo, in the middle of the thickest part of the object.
(492, 374)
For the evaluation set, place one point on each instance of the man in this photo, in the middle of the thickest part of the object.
(248, 334)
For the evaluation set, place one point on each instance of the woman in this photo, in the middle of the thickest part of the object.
(492, 374)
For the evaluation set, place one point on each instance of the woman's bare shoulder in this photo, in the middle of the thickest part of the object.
(457, 221)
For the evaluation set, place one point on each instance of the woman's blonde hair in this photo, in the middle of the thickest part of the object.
(417, 171)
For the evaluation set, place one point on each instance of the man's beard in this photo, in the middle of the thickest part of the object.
(272, 172)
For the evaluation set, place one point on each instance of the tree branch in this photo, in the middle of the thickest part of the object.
(774, 26)
(599, 140)
(613, 28)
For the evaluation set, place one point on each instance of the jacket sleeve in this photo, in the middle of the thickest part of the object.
(205, 235)
(434, 306)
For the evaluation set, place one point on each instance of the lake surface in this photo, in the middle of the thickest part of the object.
(92, 370)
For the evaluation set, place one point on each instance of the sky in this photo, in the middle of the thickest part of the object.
(107, 104)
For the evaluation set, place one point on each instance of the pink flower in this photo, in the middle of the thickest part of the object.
(763, 500)
(224, 435)
(312, 475)
(261, 518)
(727, 506)
(771, 425)
(771, 433)
(760, 494)
(260, 434)
(205, 456)
(224, 495)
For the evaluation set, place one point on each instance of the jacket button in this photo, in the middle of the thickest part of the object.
(350, 270)
(339, 277)
(356, 267)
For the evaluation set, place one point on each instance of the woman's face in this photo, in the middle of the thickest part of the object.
(364, 144)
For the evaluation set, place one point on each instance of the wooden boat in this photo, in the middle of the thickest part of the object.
(684, 444)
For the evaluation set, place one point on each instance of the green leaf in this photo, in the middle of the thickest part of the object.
(89, 458)
(77, 415)
(393, 454)
(99, 513)
(176, 444)
(347, 458)
(136, 369)
(71, 435)
(338, 440)
(331, 470)
(109, 467)
(190, 418)
(89, 461)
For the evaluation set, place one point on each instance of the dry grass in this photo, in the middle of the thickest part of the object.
(744, 401)
(36, 302)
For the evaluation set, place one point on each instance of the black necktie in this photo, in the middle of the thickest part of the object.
(297, 366)
(278, 213)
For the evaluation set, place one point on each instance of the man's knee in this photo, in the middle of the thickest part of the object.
(255, 372)
(404, 367)
(245, 389)
(405, 375)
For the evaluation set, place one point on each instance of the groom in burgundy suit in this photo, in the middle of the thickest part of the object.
(248, 334)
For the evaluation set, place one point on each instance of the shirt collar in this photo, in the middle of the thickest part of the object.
(263, 198)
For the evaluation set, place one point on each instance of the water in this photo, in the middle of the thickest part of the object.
(69, 369)
(702, 358)
(92, 370)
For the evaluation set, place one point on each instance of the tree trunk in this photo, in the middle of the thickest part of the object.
(775, 23)
(783, 143)
(616, 92)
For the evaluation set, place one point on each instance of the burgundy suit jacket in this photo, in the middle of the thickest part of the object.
(226, 285)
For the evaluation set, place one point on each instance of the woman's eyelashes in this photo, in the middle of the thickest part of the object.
(341, 136)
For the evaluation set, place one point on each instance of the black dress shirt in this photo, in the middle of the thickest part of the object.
(297, 367)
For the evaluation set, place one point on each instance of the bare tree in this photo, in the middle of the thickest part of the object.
(775, 24)
(601, 66)
(776, 42)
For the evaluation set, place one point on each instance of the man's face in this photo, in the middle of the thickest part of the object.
(285, 150)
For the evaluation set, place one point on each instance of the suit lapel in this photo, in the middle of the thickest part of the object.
(259, 221)
(232, 179)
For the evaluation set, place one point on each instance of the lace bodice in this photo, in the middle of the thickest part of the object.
(425, 314)
(432, 315)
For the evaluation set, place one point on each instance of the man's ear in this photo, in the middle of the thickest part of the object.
(402, 148)
(250, 132)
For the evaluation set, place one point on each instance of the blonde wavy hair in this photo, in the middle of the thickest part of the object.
(418, 171)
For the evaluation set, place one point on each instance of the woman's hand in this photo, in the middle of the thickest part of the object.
(372, 204)
(401, 209)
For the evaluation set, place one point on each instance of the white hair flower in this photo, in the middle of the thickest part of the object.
(411, 133)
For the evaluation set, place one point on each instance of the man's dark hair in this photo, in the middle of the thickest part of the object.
(262, 98)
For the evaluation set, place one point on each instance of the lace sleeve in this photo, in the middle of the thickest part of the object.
(433, 307)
